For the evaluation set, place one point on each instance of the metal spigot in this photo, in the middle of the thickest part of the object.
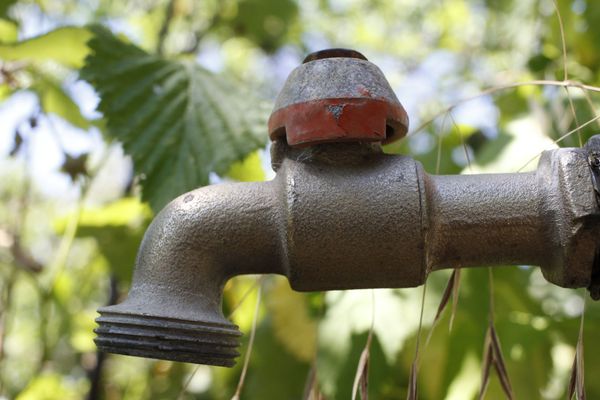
(341, 214)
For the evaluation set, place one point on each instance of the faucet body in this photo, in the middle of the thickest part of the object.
(341, 214)
(345, 216)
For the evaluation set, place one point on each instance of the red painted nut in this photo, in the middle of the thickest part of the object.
(337, 96)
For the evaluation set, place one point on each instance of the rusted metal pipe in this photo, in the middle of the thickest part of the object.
(341, 214)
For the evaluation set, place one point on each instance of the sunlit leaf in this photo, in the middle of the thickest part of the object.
(54, 100)
(67, 46)
(51, 386)
(118, 229)
(5, 91)
(178, 121)
(8, 31)
(82, 335)
(292, 324)
(248, 170)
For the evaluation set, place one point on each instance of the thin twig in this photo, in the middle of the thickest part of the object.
(164, 29)
(58, 264)
(95, 375)
(563, 41)
(572, 107)
(240, 385)
(577, 382)
(311, 382)
(235, 308)
(5, 314)
(361, 376)
(462, 141)
(491, 295)
(590, 105)
(414, 370)
(438, 161)
(247, 293)
(565, 68)
(560, 139)
(212, 23)
(500, 88)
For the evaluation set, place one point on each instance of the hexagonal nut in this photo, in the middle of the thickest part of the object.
(571, 213)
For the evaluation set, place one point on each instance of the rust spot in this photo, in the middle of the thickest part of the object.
(336, 110)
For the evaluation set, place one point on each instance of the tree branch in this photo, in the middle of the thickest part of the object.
(164, 29)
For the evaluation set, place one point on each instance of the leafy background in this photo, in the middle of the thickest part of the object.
(109, 109)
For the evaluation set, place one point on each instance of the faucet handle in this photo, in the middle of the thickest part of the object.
(337, 95)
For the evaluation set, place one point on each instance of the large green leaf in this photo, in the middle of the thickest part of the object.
(178, 121)
(63, 45)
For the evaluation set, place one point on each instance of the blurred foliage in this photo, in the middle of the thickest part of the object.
(107, 105)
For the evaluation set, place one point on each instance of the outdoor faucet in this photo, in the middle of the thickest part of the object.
(341, 214)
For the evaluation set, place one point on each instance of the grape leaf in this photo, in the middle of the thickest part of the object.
(178, 121)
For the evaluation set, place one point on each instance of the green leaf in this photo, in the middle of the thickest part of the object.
(248, 170)
(118, 229)
(65, 45)
(51, 385)
(291, 321)
(5, 6)
(8, 31)
(265, 22)
(5, 92)
(178, 121)
(54, 100)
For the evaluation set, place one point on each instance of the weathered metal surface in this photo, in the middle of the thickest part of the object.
(344, 98)
(344, 216)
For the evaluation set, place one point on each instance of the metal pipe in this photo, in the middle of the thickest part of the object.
(484, 220)
(344, 215)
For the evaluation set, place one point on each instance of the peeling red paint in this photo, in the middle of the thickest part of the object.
(345, 119)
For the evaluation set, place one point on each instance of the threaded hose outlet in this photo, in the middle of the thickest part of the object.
(142, 335)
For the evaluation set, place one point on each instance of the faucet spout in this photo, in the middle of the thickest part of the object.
(193, 246)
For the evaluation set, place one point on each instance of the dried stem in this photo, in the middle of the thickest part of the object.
(414, 370)
(362, 371)
(240, 385)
